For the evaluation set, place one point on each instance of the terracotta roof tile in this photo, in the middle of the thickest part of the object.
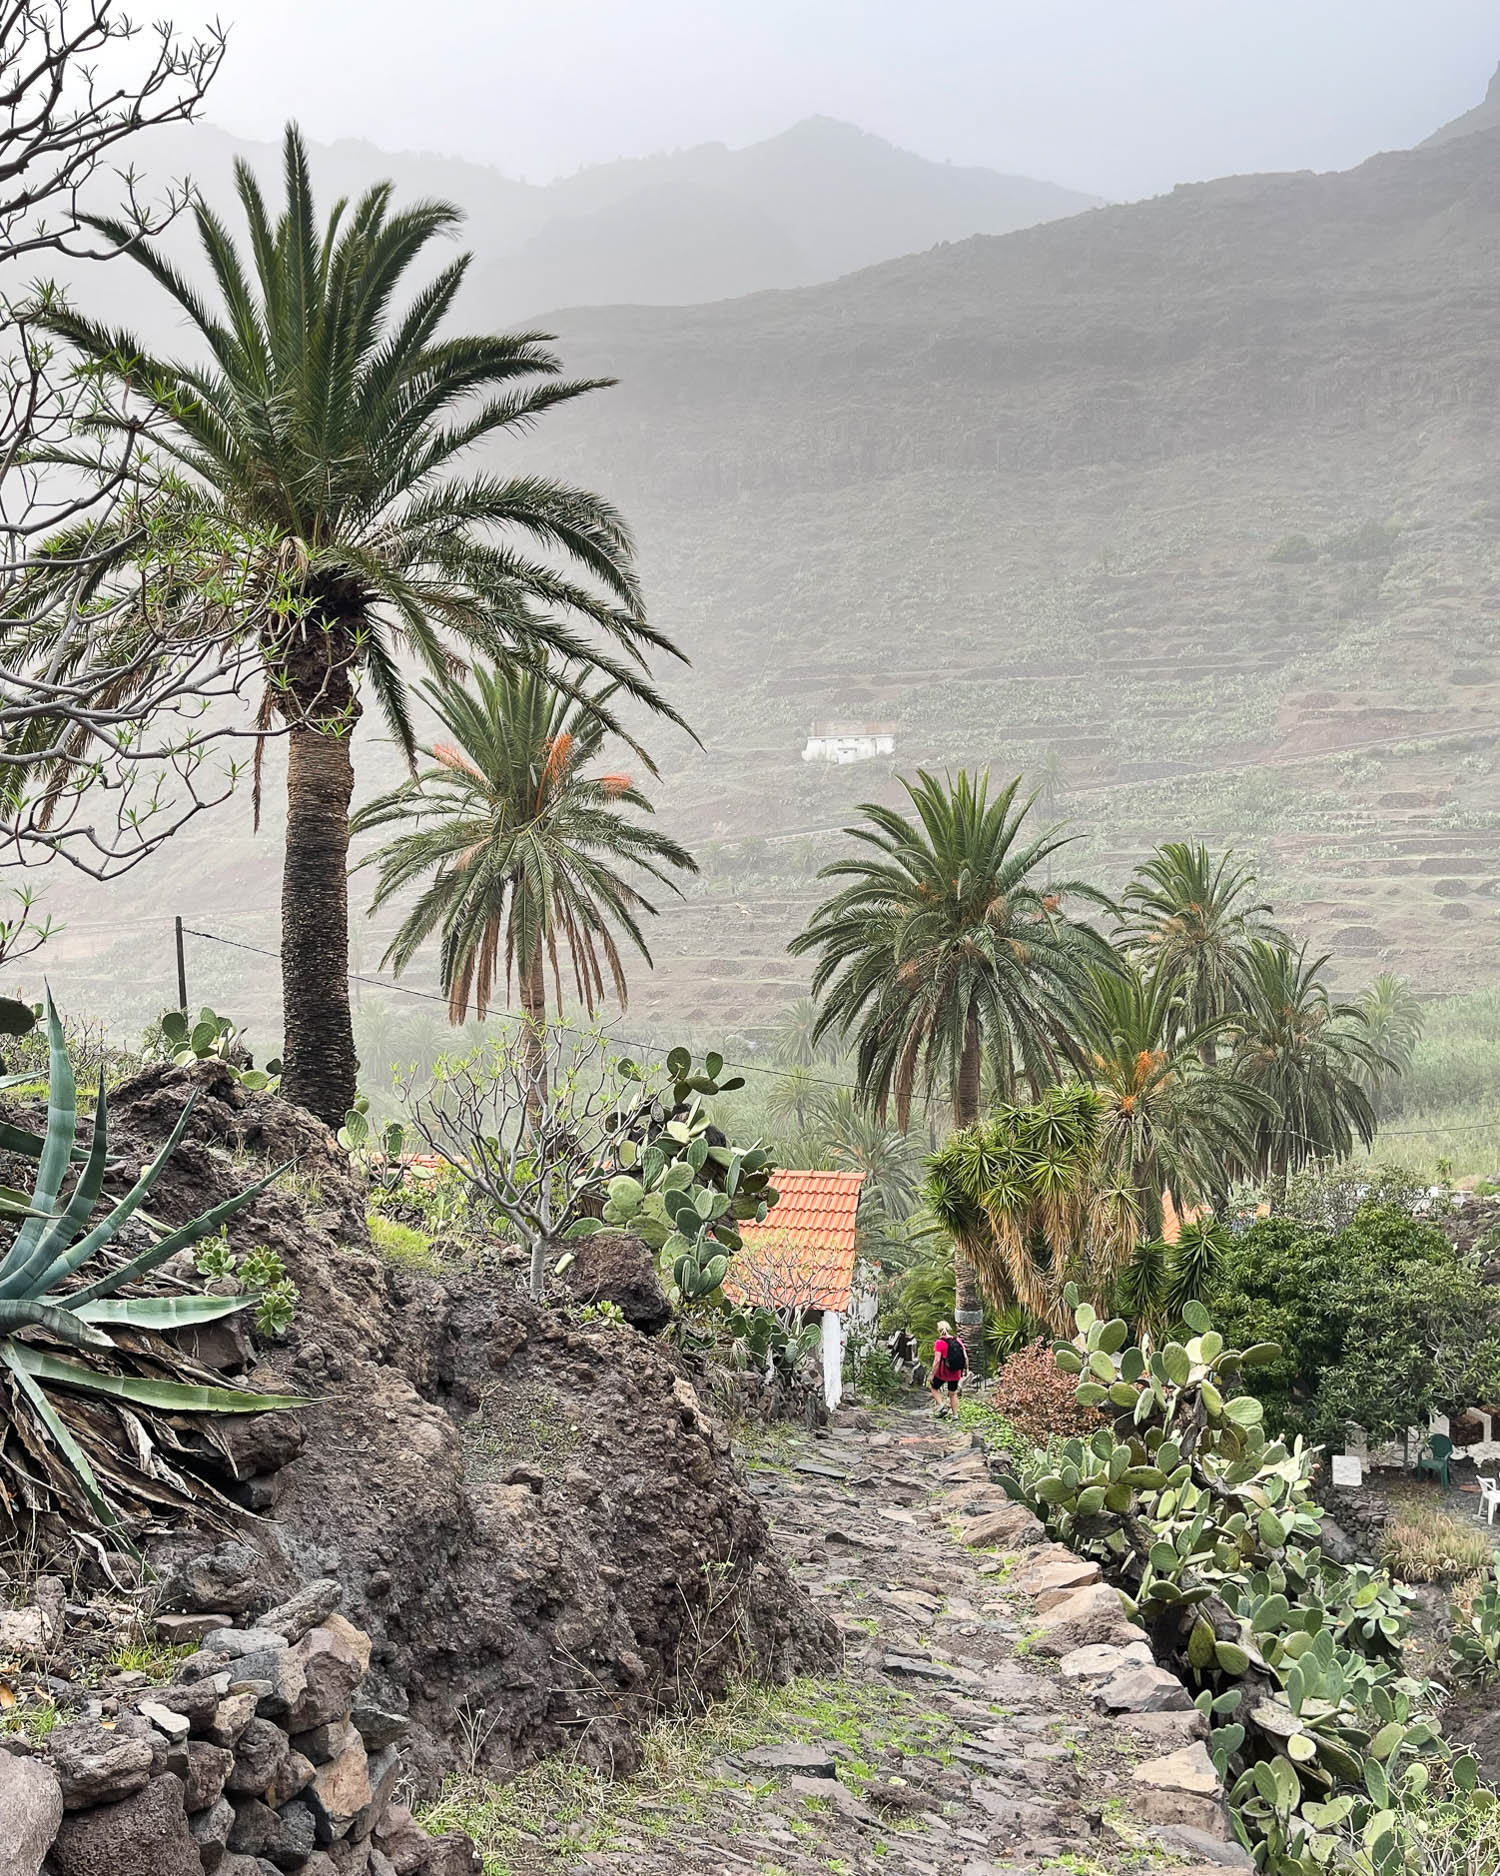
(804, 1251)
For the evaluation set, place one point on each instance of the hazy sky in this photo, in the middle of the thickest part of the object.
(1124, 97)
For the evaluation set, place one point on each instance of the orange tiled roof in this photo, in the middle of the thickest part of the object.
(804, 1250)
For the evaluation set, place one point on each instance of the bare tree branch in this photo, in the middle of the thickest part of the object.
(78, 79)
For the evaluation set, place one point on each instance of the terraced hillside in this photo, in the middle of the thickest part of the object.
(1189, 508)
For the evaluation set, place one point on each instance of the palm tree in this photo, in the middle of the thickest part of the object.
(943, 949)
(800, 1042)
(529, 852)
(1310, 1058)
(1189, 918)
(859, 1141)
(1393, 1017)
(1028, 1202)
(1167, 1122)
(322, 430)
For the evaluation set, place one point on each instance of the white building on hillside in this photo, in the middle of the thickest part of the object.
(849, 742)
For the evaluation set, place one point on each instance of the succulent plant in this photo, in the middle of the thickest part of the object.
(1210, 1530)
(682, 1190)
(214, 1038)
(92, 1398)
(1474, 1642)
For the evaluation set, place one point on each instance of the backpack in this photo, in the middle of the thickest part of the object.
(956, 1360)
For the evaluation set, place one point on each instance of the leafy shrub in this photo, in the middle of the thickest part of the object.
(1037, 1398)
(1209, 1529)
(1423, 1546)
(1292, 549)
(1380, 1324)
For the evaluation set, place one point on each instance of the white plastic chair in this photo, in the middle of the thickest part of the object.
(1489, 1497)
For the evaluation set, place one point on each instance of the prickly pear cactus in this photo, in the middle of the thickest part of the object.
(684, 1191)
(1210, 1531)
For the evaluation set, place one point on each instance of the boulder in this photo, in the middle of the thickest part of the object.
(1094, 1613)
(1142, 1689)
(228, 1579)
(282, 1836)
(1165, 1732)
(1181, 1788)
(172, 1726)
(454, 1855)
(231, 1716)
(1012, 1527)
(36, 1627)
(31, 1808)
(96, 1765)
(143, 1835)
(174, 1629)
(259, 1755)
(1048, 1573)
(332, 1659)
(614, 1267)
(1101, 1661)
(294, 1774)
(293, 1618)
(340, 1790)
(211, 1830)
(196, 1701)
(403, 1841)
(207, 1768)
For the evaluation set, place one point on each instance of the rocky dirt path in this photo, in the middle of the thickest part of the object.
(995, 1716)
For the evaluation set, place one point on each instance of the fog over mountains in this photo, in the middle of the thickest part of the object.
(1188, 508)
(705, 223)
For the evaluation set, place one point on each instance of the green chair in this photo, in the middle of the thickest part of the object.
(1435, 1459)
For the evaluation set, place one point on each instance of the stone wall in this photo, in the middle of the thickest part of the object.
(264, 1754)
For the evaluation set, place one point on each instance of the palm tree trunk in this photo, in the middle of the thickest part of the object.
(320, 1063)
(968, 1304)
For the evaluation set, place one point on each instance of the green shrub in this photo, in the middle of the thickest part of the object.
(1380, 1324)
(1293, 549)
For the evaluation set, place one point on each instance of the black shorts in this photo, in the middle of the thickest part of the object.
(952, 1386)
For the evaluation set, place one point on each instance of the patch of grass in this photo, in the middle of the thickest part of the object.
(403, 1245)
(33, 1715)
(563, 1807)
(152, 1658)
(1432, 1546)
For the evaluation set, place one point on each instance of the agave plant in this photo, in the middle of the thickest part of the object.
(102, 1426)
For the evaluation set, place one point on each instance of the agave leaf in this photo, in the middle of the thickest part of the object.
(21, 1139)
(165, 1396)
(162, 1312)
(84, 1249)
(201, 1227)
(57, 1148)
(25, 1312)
(75, 1215)
(11, 1355)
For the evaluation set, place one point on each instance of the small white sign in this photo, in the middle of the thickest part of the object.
(1347, 1469)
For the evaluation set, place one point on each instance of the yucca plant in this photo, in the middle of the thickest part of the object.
(101, 1428)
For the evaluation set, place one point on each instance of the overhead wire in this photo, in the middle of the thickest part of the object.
(753, 1068)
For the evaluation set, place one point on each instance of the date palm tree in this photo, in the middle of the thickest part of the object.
(1167, 1122)
(945, 948)
(1310, 1058)
(526, 851)
(1191, 920)
(321, 424)
(1393, 1016)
